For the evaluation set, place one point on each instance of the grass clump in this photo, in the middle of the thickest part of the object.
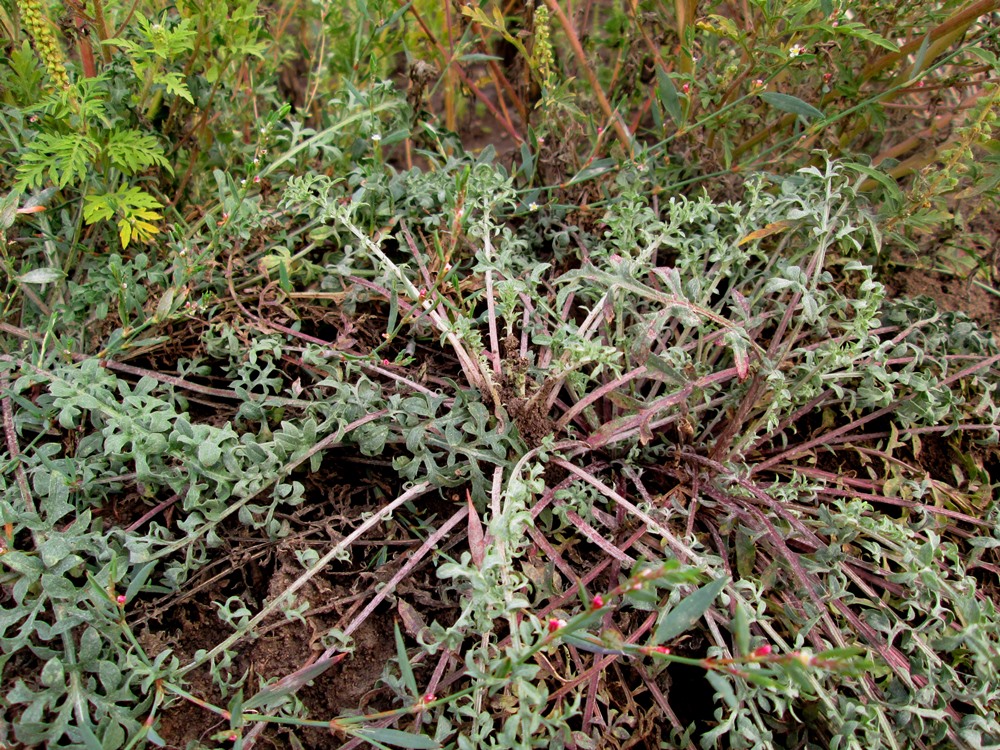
(322, 428)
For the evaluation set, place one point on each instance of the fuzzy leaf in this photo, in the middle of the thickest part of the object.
(41, 276)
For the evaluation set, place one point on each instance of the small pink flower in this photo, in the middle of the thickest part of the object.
(762, 651)
(386, 362)
(597, 602)
(686, 87)
(555, 624)
(256, 180)
(429, 698)
(121, 600)
(661, 650)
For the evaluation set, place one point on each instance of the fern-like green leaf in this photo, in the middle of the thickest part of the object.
(64, 159)
(26, 83)
(133, 151)
(174, 84)
(135, 208)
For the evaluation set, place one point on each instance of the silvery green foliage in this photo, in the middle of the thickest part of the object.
(695, 340)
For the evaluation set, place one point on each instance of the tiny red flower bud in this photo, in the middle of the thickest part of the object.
(429, 698)
(121, 600)
(762, 650)
(661, 650)
(597, 602)
(555, 624)
(686, 87)
(385, 362)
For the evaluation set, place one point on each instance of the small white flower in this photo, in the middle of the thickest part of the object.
(795, 50)
(376, 137)
(532, 206)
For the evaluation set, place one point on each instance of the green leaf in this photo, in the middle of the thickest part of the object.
(687, 612)
(135, 207)
(174, 84)
(740, 628)
(132, 151)
(396, 738)
(404, 664)
(878, 175)
(477, 57)
(861, 31)
(918, 60)
(667, 93)
(722, 687)
(53, 672)
(592, 170)
(8, 209)
(58, 587)
(41, 276)
(139, 580)
(209, 454)
(985, 55)
(787, 103)
(63, 159)
(290, 684)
